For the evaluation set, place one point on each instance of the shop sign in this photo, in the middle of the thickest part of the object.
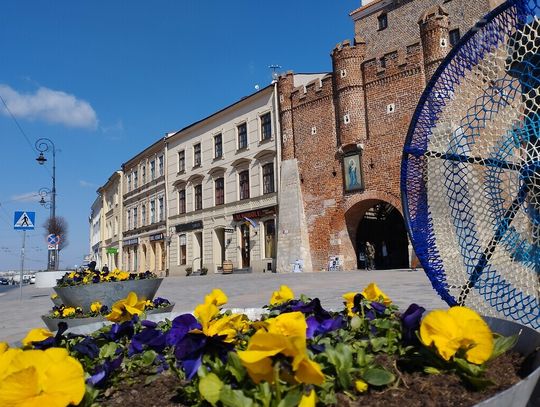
(258, 213)
(112, 250)
(198, 224)
(131, 242)
(229, 230)
(157, 236)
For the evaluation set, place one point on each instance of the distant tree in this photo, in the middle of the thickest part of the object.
(57, 226)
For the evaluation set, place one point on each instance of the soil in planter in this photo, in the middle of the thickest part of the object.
(416, 389)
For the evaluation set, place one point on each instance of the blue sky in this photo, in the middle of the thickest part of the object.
(105, 79)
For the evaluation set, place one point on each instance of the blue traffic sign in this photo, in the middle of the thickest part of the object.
(53, 239)
(24, 220)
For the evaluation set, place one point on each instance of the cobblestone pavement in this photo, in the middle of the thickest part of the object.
(244, 291)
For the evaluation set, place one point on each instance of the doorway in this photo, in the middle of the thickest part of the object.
(197, 251)
(384, 227)
(244, 245)
(219, 247)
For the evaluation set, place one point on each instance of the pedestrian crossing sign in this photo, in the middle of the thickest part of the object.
(24, 220)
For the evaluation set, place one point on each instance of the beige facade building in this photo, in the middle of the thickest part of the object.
(96, 231)
(222, 188)
(144, 211)
(112, 226)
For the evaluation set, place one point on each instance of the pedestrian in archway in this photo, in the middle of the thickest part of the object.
(384, 254)
(370, 256)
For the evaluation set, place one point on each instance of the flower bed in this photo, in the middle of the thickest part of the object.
(297, 353)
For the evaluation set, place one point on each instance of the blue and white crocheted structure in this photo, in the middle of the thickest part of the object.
(471, 168)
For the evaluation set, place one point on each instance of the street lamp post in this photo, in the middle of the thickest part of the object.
(44, 145)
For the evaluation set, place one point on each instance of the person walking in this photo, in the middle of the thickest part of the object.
(370, 256)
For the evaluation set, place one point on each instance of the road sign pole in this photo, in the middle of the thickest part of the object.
(22, 264)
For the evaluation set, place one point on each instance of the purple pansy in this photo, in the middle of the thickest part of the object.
(87, 347)
(181, 325)
(102, 372)
(149, 337)
(317, 327)
(410, 320)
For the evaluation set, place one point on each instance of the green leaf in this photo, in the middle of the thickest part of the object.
(234, 398)
(431, 370)
(378, 343)
(264, 394)
(501, 344)
(108, 350)
(234, 366)
(148, 357)
(469, 368)
(210, 387)
(378, 377)
(292, 399)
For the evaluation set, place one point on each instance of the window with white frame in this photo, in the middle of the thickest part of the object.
(143, 174)
(152, 211)
(197, 155)
(161, 208)
(266, 126)
(135, 179)
(129, 182)
(181, 161)
(197, 190)
(182, 201)
(129, 219)
(242, 136)
(218, 146)
(243, 184)
(135, 218)
(268, 178)
(160, 165)
(219, 191)
(152, 170)
(143, 215)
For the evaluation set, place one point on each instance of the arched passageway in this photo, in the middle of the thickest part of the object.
(383, 226)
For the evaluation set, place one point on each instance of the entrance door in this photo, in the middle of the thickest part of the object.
(218, 248)
(244, 232)
(384, 227)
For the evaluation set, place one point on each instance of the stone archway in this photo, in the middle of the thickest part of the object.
(377, 218)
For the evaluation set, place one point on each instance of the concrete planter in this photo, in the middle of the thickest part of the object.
(52, 323)
(107, 293)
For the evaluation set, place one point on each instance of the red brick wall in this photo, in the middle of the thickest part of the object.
(365, 93)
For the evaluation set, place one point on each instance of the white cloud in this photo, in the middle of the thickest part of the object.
(86, 184)
(26, 197)
(53, 106)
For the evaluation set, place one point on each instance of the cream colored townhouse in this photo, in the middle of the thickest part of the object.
(144, 211)
(223, 176)
(112, 204)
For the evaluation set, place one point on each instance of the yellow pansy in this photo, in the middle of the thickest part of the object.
(36, 335)
(126, 308)
(349, 302)
(216, 297)
(288, 324)
(360, 385)
(122, 275)
(282, 295)
(95, 306)
(286, 335)
(68, 311)
(228, 325)
(455, 329)
(49, 378)
(3, 347)
(54, 296)
(374, 293)
(309, 400)
(205, 313)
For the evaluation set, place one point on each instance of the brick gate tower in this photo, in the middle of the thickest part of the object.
(343, 132)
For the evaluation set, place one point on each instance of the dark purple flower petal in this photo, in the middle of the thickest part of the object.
(378, 307)
(87, 347)
(312, 326)
(148, 324)
(102, 372)
(181, 325)
(44, 344)
(192, 365)
(410, 320)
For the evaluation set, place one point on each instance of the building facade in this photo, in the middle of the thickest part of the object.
(354, 120)
(112, 204)
(222, 188)
(144, 211)
(95, 223)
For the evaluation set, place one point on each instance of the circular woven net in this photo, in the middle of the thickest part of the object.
(471, 168)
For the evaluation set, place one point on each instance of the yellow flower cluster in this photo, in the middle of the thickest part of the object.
(95, 306)
(36, 378)
(125, 309)
(371, 293)
(213, 323)
(284, 294)
(458, 328)
(285, 335)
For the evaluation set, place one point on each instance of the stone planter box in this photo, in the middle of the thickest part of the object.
(107, 293)
(52, 323)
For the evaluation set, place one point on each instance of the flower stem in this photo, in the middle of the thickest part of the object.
(276, 382)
